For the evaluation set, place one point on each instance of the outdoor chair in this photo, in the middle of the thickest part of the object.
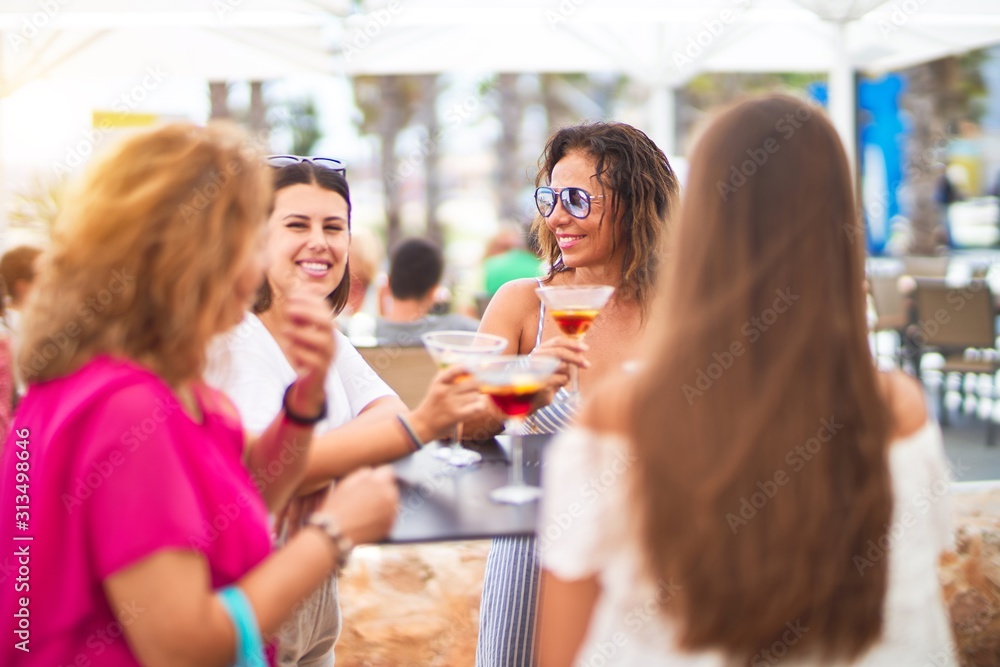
(925, 267)
(407, 370)
(959, 323)
(891, 308)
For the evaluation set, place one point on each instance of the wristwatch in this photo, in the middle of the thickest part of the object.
(328, 524)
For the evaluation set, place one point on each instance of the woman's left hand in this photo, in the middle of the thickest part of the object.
(310, 351)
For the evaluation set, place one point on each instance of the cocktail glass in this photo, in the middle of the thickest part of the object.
(449, 348)
(574, 308)
(513, 383)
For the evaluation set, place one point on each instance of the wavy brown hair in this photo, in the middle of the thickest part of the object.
(146, 252)
(643, 189)
(758, 422)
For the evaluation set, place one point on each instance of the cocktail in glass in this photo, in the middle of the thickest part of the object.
(513, 383)
(449, 348)
(574, 308)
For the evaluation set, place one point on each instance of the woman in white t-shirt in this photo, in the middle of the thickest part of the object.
(757, 493)
(367, 424)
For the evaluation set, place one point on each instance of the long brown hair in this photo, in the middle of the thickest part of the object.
(758, 422)
(145, 254)
(643, 188)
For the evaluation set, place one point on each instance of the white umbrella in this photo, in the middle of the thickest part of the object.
(211, 39)
(665, 42)
(150, 40)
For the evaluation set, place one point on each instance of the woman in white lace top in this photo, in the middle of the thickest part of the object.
(758, 493)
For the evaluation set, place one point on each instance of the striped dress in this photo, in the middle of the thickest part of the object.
(510, 586)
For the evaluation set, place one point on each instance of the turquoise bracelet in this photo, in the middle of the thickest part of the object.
(249, 644)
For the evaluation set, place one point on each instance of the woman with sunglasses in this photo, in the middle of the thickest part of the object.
(127, 483)
(308, 241)
(603, 196)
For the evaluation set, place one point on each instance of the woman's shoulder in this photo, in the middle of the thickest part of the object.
(904, 398)
(519, 292)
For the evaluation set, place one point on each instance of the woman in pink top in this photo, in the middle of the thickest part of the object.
(129, 492)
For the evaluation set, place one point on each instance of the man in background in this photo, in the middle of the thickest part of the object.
(415, 272)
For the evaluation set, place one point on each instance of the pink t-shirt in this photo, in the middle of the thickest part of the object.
(116, 471)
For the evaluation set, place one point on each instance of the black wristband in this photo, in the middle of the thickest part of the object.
(299, 419)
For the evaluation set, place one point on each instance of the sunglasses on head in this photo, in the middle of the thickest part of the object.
(278, 161)
(575, 201)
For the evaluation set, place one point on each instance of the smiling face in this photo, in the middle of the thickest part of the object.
(588, 242)
(308, 240)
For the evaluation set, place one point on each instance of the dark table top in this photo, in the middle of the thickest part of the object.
(439, 502)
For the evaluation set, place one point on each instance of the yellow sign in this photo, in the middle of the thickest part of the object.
(112, 119)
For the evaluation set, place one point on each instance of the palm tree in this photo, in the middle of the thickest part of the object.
(388, 104)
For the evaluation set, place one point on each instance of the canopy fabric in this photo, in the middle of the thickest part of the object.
(666, 42)
(210, 39)
(662, 40)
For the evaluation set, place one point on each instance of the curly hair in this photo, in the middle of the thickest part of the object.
(643, 187)
(146, 252)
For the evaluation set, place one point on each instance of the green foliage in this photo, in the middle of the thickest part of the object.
(301, 119)
(38, 205)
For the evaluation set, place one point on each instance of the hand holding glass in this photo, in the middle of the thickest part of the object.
(449, 348)
(574, 308)
(513, 383)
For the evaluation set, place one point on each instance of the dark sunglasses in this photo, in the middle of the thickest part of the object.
(576, 201)
(278, 161)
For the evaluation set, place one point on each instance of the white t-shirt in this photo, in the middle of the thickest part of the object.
(582, 534)
(249, 366)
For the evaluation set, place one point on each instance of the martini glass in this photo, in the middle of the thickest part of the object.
(449, 348)
(513, 382)
(574, 308)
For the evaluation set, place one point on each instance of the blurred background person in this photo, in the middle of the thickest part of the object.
(507, 258)
(145, 491)
(17, 271)
(834, 456)
(415, 274)
(606, 225)
(308, 250)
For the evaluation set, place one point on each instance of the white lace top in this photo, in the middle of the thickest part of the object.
(582, 534)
